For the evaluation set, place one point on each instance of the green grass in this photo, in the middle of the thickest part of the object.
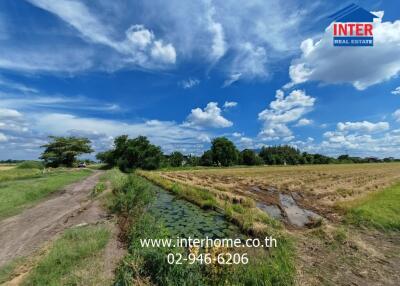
(7, 271)
(19, 174)
(380, 210)
(74, 259)
(17, 194)
(31, 165)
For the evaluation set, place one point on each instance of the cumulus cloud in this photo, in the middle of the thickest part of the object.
(209, 117)
(361, 138)
(363, 126)
(396, 91)
(230, 104)
(189, 83)
(282, 111)
(359, 66)
(304, 122)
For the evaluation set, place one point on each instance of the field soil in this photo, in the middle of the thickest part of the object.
(24, 233)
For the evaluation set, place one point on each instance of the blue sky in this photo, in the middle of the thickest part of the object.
(183, 72)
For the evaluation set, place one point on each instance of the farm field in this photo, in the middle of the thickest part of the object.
(334, 213)
(317, 187)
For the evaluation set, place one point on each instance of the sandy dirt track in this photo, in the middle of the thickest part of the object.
(24, 233)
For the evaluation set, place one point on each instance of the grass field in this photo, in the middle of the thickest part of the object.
(379, 209)
(7, 166)
(23, 187)
(74, 259)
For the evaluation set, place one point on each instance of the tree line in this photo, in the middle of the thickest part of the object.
(131, 153)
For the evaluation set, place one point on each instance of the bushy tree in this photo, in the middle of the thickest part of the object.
(64, 150)
(176, 159)
(250, 158)
(206, 159)
(192, 160)
(132, 153)
(106, 157)
(278, 155)
(224, 152)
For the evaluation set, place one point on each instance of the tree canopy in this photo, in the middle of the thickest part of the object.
(134, 153)
(224, 152)
(63, 151)
(250, 158)
(176, 159)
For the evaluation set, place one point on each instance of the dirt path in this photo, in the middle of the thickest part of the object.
(22, 234)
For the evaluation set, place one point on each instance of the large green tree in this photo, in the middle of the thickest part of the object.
(176, 159)
(206, 159)
(132, 153)
(250, 158)
(63, 151)
(224, 152)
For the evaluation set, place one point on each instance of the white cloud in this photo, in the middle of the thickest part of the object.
(396, 91)
(243, 43)
(139, 36)
(218, 46)
(230, 104)
(304, 122)
(231, 79)
(249, 62)
(16, 86)
(396, 115)
(282, 111)
(360, 139)
(363, 126)
(237, 134)
(167, 134)
(189, 83)
(163, 53)
(6, 113)
(209, 117)
(360, 66)
(3, 138)
(140, 46)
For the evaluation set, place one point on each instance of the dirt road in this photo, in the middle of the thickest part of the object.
(22, 234)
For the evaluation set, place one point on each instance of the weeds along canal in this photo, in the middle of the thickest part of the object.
(185, 219)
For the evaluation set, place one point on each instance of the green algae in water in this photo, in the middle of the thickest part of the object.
(184, 219)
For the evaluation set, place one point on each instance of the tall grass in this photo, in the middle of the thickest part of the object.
(19, 174)
(379, 210)
(71, 258)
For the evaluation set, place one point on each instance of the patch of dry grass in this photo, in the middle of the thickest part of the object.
(325, 184)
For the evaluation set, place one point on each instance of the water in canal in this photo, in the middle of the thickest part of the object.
(185, 219)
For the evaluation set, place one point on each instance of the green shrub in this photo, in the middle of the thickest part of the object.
(30, 165)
